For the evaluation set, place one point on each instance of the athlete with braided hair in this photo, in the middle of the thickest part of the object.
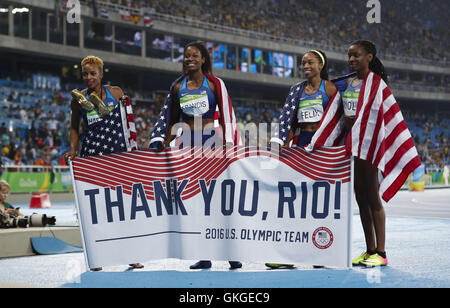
(378, 138)
(362, 59)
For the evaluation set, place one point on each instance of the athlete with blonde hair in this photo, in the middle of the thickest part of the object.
(92, 107)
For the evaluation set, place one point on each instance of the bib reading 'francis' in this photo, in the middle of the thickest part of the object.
(196, 103)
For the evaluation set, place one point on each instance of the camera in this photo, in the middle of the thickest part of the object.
(12, 221)
(40, 220)
(34, 220)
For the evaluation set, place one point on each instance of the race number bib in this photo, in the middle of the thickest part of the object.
(310, 111)
(94, 117)
(350, 100)
(194, 104)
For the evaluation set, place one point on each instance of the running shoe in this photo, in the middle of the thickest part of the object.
(279, 266)
(82, 100)
(375, 260)
(202, 264)
(235, 264)
(358, 261)
(101, 107)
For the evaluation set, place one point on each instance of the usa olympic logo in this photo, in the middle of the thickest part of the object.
(322, 238)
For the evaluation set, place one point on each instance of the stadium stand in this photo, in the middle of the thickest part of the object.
(407, 33)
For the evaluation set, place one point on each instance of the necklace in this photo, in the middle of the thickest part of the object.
(101, 92)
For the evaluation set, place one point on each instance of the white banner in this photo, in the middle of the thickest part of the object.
(195, 204)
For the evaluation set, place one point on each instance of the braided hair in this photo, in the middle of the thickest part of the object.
(375, 65)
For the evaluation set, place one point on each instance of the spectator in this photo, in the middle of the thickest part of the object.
(44, 159)
(3, 129)
(52, 122)
(5, 207)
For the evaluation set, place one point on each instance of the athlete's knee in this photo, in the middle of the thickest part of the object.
(374, 201)
(376, 206)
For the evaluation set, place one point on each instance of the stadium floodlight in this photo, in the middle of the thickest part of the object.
(20, 10)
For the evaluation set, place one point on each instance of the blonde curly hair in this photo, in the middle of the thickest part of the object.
(3, 183)
(93, 60)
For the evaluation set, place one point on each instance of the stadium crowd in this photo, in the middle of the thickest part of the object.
(36, 133)
(408, 29)
(33, 126)
(431, 136)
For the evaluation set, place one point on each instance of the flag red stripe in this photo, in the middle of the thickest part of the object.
(386, 93)
(98, 171)
(390, 114)
(390, 165)
(399, 128)
(376, 131)
(398, 183)
(388, 140)
(366, 113)
(331, 126)
(316, 165)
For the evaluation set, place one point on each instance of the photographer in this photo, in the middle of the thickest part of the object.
(9, 217)
(5, 207)
(12, 218)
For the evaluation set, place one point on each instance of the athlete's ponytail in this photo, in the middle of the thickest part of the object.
(375, 65)
(378, 68)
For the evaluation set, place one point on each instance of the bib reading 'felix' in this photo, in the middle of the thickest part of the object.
(311, 106)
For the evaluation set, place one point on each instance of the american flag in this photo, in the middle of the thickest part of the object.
(226, 116)
(113, 134)
(172, 167)
(379, 134)
(288, 114)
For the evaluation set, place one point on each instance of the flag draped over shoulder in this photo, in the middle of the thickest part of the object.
(379, 134)
(130, 132)
(226, 116)
(289, 113)
(113, 134)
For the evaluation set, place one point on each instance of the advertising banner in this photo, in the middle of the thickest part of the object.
(418, 179)
(38, 181)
